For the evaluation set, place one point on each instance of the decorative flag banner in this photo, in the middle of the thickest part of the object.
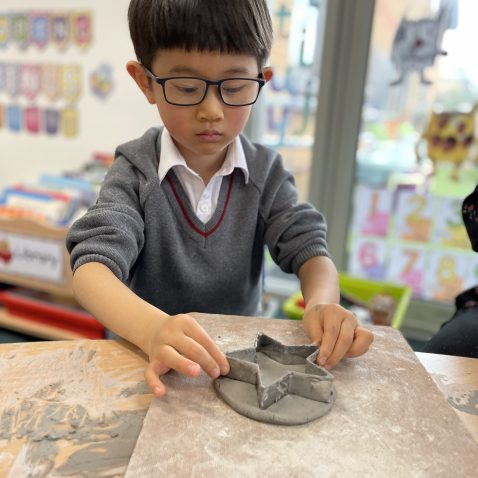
(35, 120)
(4, 30)
(82, 29)
(14, 118)
(12, 79)
(69, 122)
(20, 29)
(31, 119)
(30, 83)
(51, 120)
(60, 29)
(51, 82)
(39, 29)
(31, 80)
(70, 82)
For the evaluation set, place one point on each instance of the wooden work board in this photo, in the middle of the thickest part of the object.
(389, 420)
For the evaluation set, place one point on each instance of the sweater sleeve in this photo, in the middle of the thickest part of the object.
(294, 231)
(112, 231)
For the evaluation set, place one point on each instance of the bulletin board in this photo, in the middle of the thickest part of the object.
(65, 93)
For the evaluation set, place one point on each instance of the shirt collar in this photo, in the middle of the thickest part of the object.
(171, 157)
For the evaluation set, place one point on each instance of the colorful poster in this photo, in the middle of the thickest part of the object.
(367, 258)
(407, 265)
(372, 209)
(414, 217)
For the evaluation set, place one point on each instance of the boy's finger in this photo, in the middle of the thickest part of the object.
(152, 380)
(343, 343)
(198, 354)
(331, 333)
(363, 339)
(169, 358)
(209, 349)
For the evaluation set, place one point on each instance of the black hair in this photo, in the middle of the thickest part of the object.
(227, 26)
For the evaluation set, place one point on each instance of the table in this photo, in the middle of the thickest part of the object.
(76, 408)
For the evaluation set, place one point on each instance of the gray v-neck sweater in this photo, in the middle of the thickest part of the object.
(150, 238)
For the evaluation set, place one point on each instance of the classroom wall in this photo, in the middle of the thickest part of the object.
(102, 123)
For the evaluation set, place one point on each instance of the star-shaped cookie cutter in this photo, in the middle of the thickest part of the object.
(304, 378)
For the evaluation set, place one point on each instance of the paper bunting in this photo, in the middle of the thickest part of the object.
(82, 34)
(70, 82)
(35, 120)
(69, 122)
(41, 28)
(55, 82)
(30, 81)
(31, 118)
(12, 79)
(4, 30)
(51, 81)
(19, 29)
(51, 121)
(60, 30)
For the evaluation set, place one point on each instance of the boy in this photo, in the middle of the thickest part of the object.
(184, 212)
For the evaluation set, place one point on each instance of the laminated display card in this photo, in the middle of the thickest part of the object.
(371, 216)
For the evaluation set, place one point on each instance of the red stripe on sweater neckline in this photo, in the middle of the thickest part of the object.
(188, 218)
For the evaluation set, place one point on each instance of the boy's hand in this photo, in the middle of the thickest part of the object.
(178, 342)
(337, 331)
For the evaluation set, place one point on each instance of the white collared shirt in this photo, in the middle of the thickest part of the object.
(203, 198)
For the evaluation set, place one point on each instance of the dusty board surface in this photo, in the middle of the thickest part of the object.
(72, 408)
(389, 419)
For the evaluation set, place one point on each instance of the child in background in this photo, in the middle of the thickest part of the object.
(185, 211)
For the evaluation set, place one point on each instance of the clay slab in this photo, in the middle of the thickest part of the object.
(276, 383)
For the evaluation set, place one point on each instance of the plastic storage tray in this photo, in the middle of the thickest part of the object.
(363, 290)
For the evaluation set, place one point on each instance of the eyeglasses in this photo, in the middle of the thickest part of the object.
(190, 91)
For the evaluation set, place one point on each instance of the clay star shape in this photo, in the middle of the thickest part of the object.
(291, 369)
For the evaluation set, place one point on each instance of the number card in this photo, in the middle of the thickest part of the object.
(407, 265)
(414, 217)
(446, 275)
(371, 215)
(367, 258)
(449, 228)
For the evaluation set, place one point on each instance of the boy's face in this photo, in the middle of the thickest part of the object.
(201, 132)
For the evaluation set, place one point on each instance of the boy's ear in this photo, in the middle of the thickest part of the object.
(136, 72)
(267, 73)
